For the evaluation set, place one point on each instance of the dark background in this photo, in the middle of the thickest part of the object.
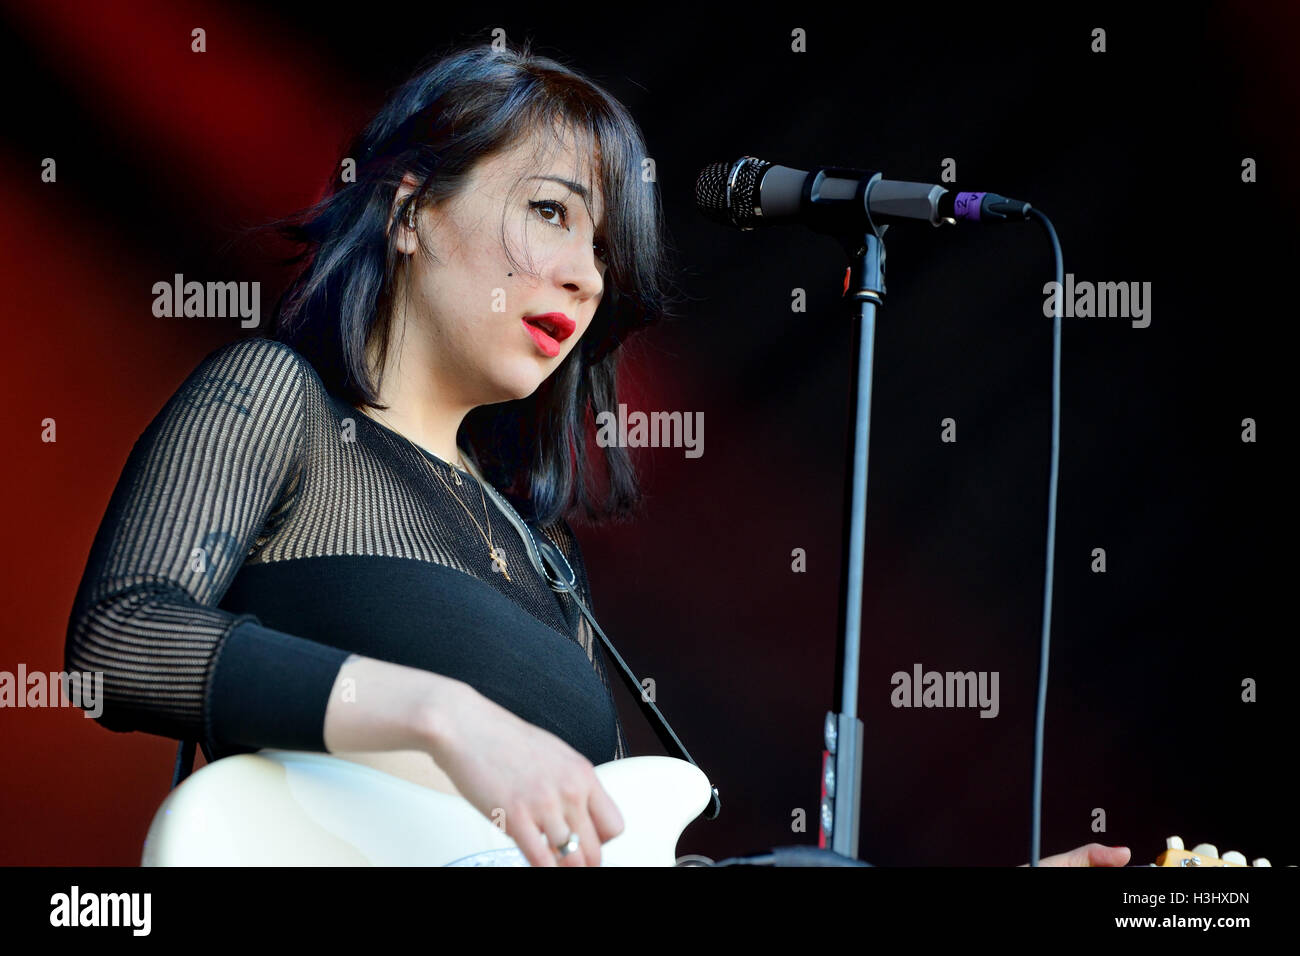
(1135, 154)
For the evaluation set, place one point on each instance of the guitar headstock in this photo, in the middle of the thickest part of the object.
(1203, 854)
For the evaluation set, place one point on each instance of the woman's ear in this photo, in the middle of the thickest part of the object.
(400, 228)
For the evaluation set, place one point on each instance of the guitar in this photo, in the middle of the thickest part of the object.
(292, 808)
(1203, 854)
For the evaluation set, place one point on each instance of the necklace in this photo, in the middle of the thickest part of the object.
(497, 555)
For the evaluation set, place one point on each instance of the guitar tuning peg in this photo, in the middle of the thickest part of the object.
(1174, 843)
(1261, 861)
(1232, 856)
(1205, 849)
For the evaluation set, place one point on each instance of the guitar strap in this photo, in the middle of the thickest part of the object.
(551, 564)
(560, 575)
(185, 760)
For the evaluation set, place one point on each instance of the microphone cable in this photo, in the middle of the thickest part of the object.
(1037, 799)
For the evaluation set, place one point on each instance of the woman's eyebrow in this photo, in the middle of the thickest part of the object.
(578, 188)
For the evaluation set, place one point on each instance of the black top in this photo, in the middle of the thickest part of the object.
(263, 530)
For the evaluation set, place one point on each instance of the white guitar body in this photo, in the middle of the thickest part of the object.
(289, 808)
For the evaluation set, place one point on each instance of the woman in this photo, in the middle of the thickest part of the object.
(300, 553)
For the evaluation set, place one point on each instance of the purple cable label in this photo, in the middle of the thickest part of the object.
(967, 206)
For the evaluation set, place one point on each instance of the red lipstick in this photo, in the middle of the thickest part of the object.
(548, 330)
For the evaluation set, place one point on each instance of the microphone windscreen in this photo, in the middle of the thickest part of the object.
(728, 192)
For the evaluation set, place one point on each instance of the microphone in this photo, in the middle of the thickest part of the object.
(752, 192)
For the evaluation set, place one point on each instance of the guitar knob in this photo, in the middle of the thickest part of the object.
(1232, 856)
(1205, 849)
(1174, 843)
(1261, 861)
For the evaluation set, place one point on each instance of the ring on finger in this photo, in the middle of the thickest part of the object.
(567, 847)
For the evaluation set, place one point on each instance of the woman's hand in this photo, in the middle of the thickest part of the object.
(1090, 854)
(500, 762)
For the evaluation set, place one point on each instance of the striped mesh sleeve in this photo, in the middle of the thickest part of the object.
(194, 493)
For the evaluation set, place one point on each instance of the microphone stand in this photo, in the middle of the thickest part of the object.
(841, 804)
(835, 200)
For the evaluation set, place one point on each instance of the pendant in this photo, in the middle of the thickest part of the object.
(499, 562)
(456, 476)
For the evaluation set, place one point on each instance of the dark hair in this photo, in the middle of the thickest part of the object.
(461, 106)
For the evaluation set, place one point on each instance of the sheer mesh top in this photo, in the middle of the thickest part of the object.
(262, 530)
